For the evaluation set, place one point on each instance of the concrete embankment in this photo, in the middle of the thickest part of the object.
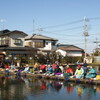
(41, 76)
(84, 81)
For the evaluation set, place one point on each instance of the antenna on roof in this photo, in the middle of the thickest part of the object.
(39, 30)
(33, 25)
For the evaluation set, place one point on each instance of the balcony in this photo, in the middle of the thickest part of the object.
(4, 43)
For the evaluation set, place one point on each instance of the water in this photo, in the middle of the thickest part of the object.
(12, 88)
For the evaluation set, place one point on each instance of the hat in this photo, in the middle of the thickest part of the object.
(78, 66)
(67, 66)
(48, 65)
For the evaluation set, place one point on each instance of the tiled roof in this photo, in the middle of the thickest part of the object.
(70, 48)
(7, 32)
(40, 37)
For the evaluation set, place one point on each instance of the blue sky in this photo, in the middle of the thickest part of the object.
(59, 19)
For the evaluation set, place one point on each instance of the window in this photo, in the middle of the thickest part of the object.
(28, 44)
(4, 41)
(47, 43)
(39, 44)
(18, 41)
(53, 43)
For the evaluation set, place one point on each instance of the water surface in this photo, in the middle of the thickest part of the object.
(12, 88)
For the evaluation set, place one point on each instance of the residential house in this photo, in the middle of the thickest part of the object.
(96, 55)
(69, 50)
(43, 43)
(13, 43)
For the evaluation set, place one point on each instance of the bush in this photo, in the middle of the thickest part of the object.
(73, 59)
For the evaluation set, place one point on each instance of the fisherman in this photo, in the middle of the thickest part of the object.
(79, 73)
(68, 72)
(91, 73)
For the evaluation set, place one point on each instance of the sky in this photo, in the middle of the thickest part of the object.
(60, 19)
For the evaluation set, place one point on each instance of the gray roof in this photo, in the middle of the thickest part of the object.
(7, 32)
(39, 37)
(69, 47)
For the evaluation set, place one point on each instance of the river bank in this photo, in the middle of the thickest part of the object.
(60, 78)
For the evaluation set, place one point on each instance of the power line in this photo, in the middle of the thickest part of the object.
(70, 23)
(69, 29)
(94, 18)
(65, 24)
(57, 34)
(63, 30)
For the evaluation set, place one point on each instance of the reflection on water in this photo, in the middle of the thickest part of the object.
(12, 88)
(83, 92)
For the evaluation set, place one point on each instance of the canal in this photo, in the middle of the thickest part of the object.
(12, 88)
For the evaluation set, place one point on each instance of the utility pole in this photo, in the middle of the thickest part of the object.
(33, 26)
(85, 33)
(96, 43)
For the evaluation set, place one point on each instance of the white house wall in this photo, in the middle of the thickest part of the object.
(63, 53)
(16, 36)
(48, 46)
(74, 53)
(69, 53)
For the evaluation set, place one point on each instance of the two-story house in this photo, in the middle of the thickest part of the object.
(13, 42)
(43, 43)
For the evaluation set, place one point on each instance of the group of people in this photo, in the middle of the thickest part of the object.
(56, 70)
(80, 72)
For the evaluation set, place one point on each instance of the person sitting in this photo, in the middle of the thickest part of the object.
(62, 68)
(6, 69)
(12, 67)
(68, 72)
(42, 68)
(35, 67)
(53, 66)
(79, 73)
(91, 73)
(57, 71)
(26, 70)
(49, 70)
(84, 66)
